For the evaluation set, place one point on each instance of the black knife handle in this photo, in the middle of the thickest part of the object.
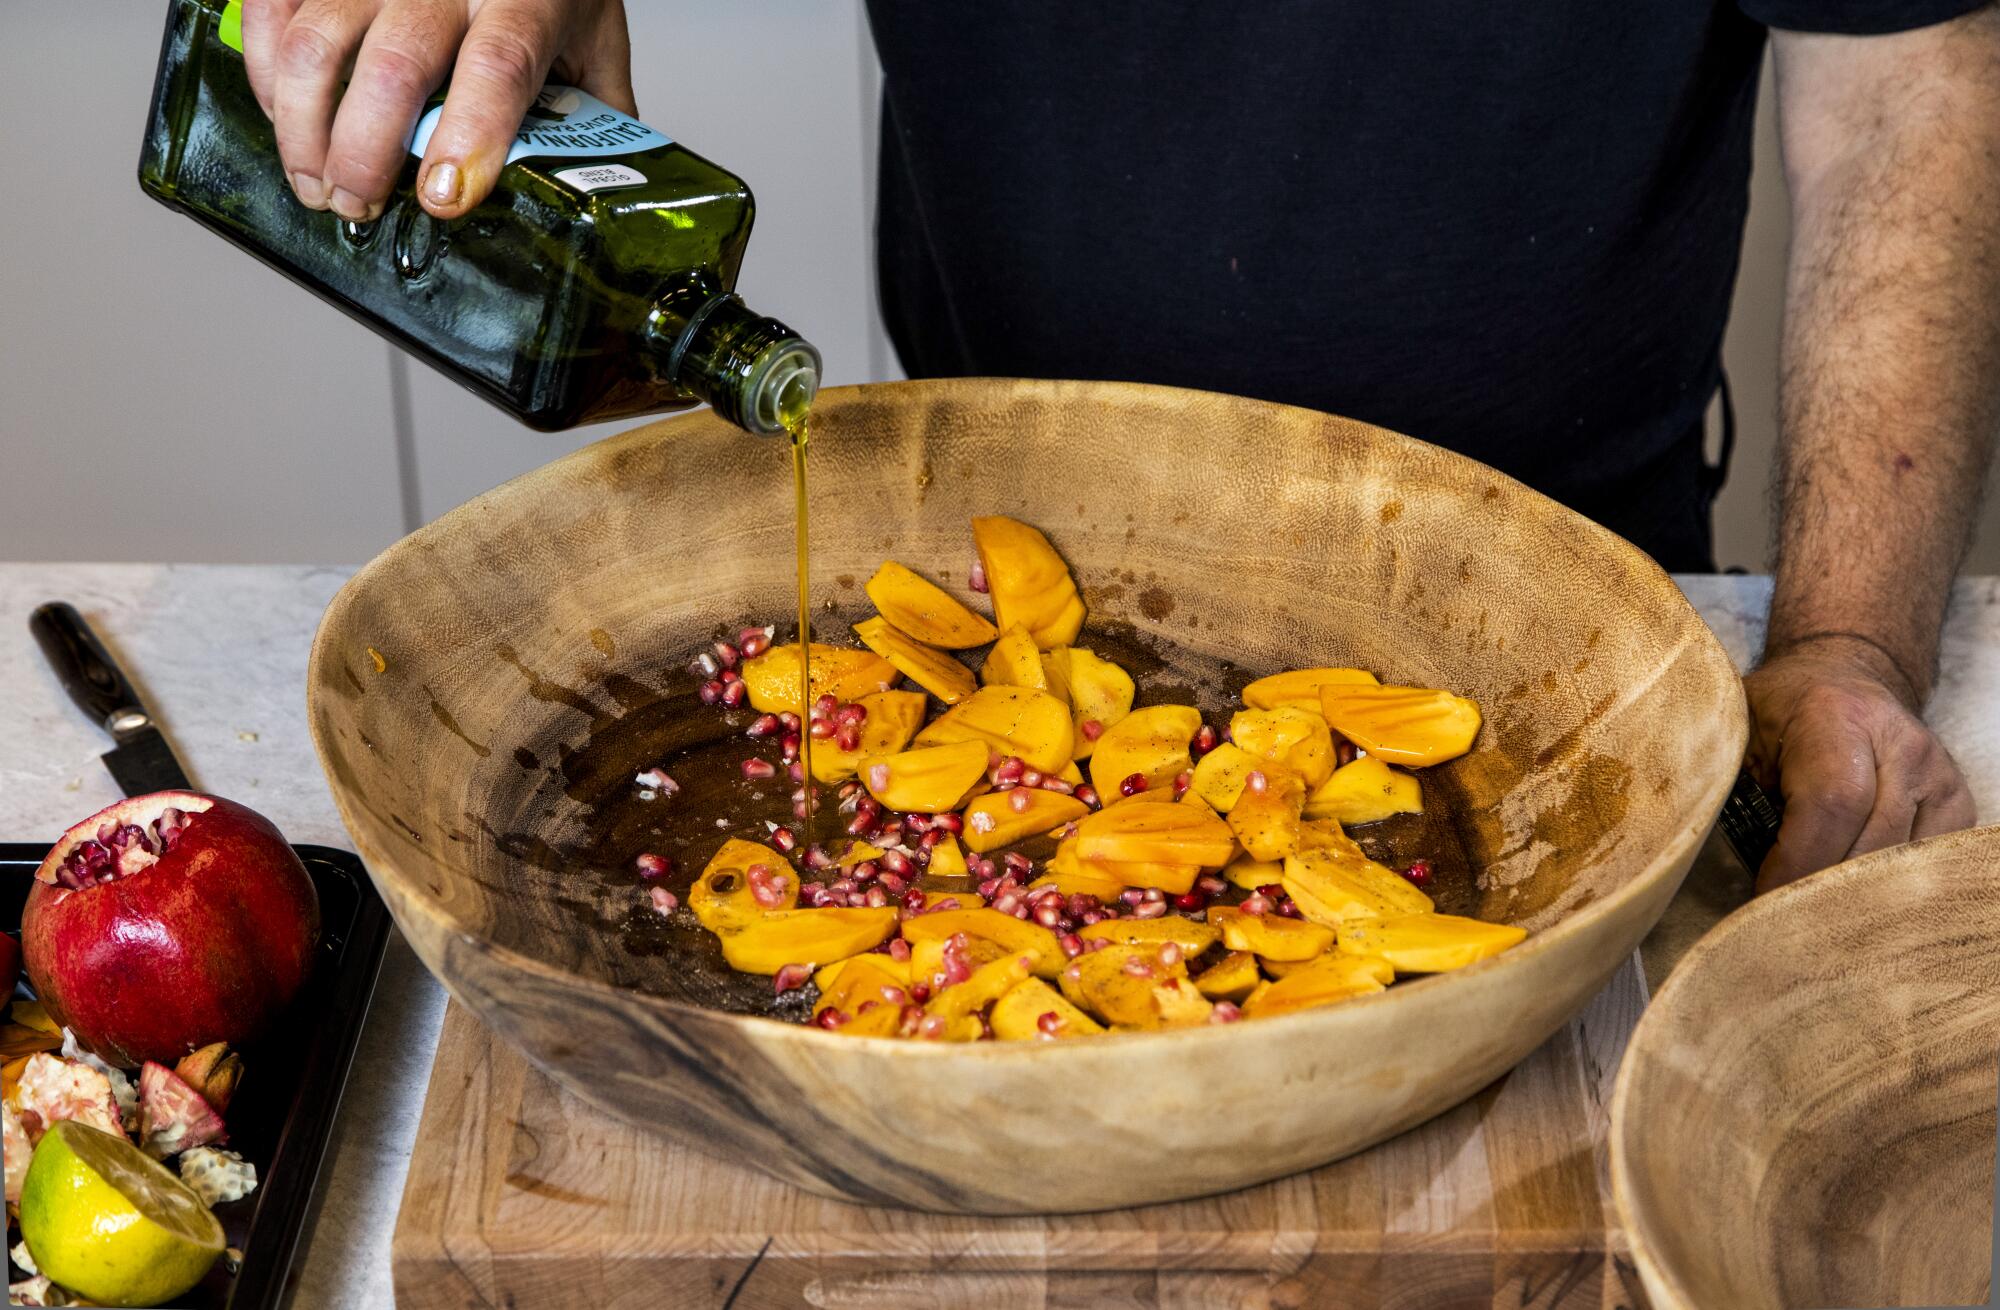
(87, 671)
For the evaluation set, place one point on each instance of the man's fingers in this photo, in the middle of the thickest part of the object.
(313, 53)
(1895, 808)
(263, 24)
(605, 67)
(504, 60)
(1946, 803)
(1829, 788)
(406, 55)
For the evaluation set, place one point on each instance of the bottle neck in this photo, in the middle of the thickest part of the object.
(753, 371)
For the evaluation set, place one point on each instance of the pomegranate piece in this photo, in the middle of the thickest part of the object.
(213, 1071)
(16, 1148)
(173, 1117)
(173, 895)
(53, 1089)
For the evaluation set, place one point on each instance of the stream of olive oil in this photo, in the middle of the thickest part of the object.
(799, 426)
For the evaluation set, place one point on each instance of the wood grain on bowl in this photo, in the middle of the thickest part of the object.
(524, 640)
(1806, 1113)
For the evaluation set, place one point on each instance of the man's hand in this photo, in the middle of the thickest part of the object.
(344, 148)
(1834, 730)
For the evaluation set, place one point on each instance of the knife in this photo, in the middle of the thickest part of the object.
(1749, 821)
(142, 760)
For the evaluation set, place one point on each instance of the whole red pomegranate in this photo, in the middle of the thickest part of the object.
(166, 922)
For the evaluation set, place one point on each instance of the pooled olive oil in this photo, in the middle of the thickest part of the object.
(594, 283)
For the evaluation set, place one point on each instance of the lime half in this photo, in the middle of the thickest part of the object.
(108, 1223)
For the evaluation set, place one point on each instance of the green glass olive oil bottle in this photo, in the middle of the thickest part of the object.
(595, 283)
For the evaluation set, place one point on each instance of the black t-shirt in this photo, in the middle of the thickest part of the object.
(1508, 229)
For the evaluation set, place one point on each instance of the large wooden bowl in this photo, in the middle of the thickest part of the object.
(543, 617)
(1806, 1113)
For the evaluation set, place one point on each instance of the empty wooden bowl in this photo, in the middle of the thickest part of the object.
(1806, 1113)
(481, 687)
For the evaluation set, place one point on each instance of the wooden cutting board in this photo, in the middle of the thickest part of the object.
(521, 1196)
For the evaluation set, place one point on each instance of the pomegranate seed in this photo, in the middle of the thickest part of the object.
(1204, 741)
(1191, 901)
(1150, 910)
(852, 712)
(788, 747)
(946, 903)
(1087, 794)
(1225, 1012)
(1257, 782)
(982, 821)
(1091, 729)
(1419, 872)
(762, 726)
(1132, 896)
(1153, 894)
(767, 888)
(1048, 914)
(933, 839)
(1288, 909)
(1273, 890)
(1073, 972)
(726, 654)
(1080, 903)
(895, 884)
(664, 901)
(1055, 784)
(654, 866)
(859, 899)
(1072, 945)
(784, 839)
(1018, 800)
(756, 768)
(817, 858)
(1170, 954)
(1018, 862)
(1031, 777)
(949, 822)
(878, 777)
(1182, 781)
(861, 825)
(1258, 904)
(1089, 917)
(790, 976)
(1138, 968)
(705, 665)
(753, 642)
(1211, 884)
(789, 720)
(824, 707)
(956, 967)
(876, 898)
(815, 895)
(1009, 771)
(710, 692)
(821, 729)
(977, 578)
(656, 780)
(865, 872)
(848, 738)
(899, 949)
(1011, 903)
(1345, 753)
(829, 1018)
(898, 863)
(982, 867)
(734, 694)
(728, 676)
(1133, 785)
(917, 823)
(840, 887)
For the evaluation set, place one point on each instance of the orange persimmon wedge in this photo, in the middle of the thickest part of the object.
(1429, 943)
(839, 671)
(1270, 935)
(1156, 834)
(1014, 661)
(807, 937)
(893, 718)
(1289, 737)
(1013, 720)
(1322, 981)
(1099, 692)
(1029, 583)
(927, 666)
(721, 897)
(1018, 1016)
(1365, 791)
(1411, 726)
(1152, 743)
(1266, 819)
(1019, 936)
(924, 610)
(928, 780)
(1001, 818)
(1299, 688)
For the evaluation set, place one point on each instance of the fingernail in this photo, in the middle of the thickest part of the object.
(310, 190)
(351, 207)
(442, 185)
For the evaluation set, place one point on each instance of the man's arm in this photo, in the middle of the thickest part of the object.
(1889, 400)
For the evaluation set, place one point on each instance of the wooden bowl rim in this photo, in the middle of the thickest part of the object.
(1702, 644)
(1788, 900)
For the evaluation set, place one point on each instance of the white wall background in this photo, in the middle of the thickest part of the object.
(164, 398)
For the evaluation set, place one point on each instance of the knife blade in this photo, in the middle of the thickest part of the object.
(142, 760)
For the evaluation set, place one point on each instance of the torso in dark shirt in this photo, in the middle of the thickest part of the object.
(1508, 229)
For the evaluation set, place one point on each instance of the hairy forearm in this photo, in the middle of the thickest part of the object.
(1890, 389)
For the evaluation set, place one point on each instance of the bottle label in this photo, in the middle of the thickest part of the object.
(563, 123)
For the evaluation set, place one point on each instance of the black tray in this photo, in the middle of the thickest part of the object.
(283, 1112)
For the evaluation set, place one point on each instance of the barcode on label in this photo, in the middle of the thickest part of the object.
(601, 177)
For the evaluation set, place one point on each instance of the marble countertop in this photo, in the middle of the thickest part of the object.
(220, 655)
